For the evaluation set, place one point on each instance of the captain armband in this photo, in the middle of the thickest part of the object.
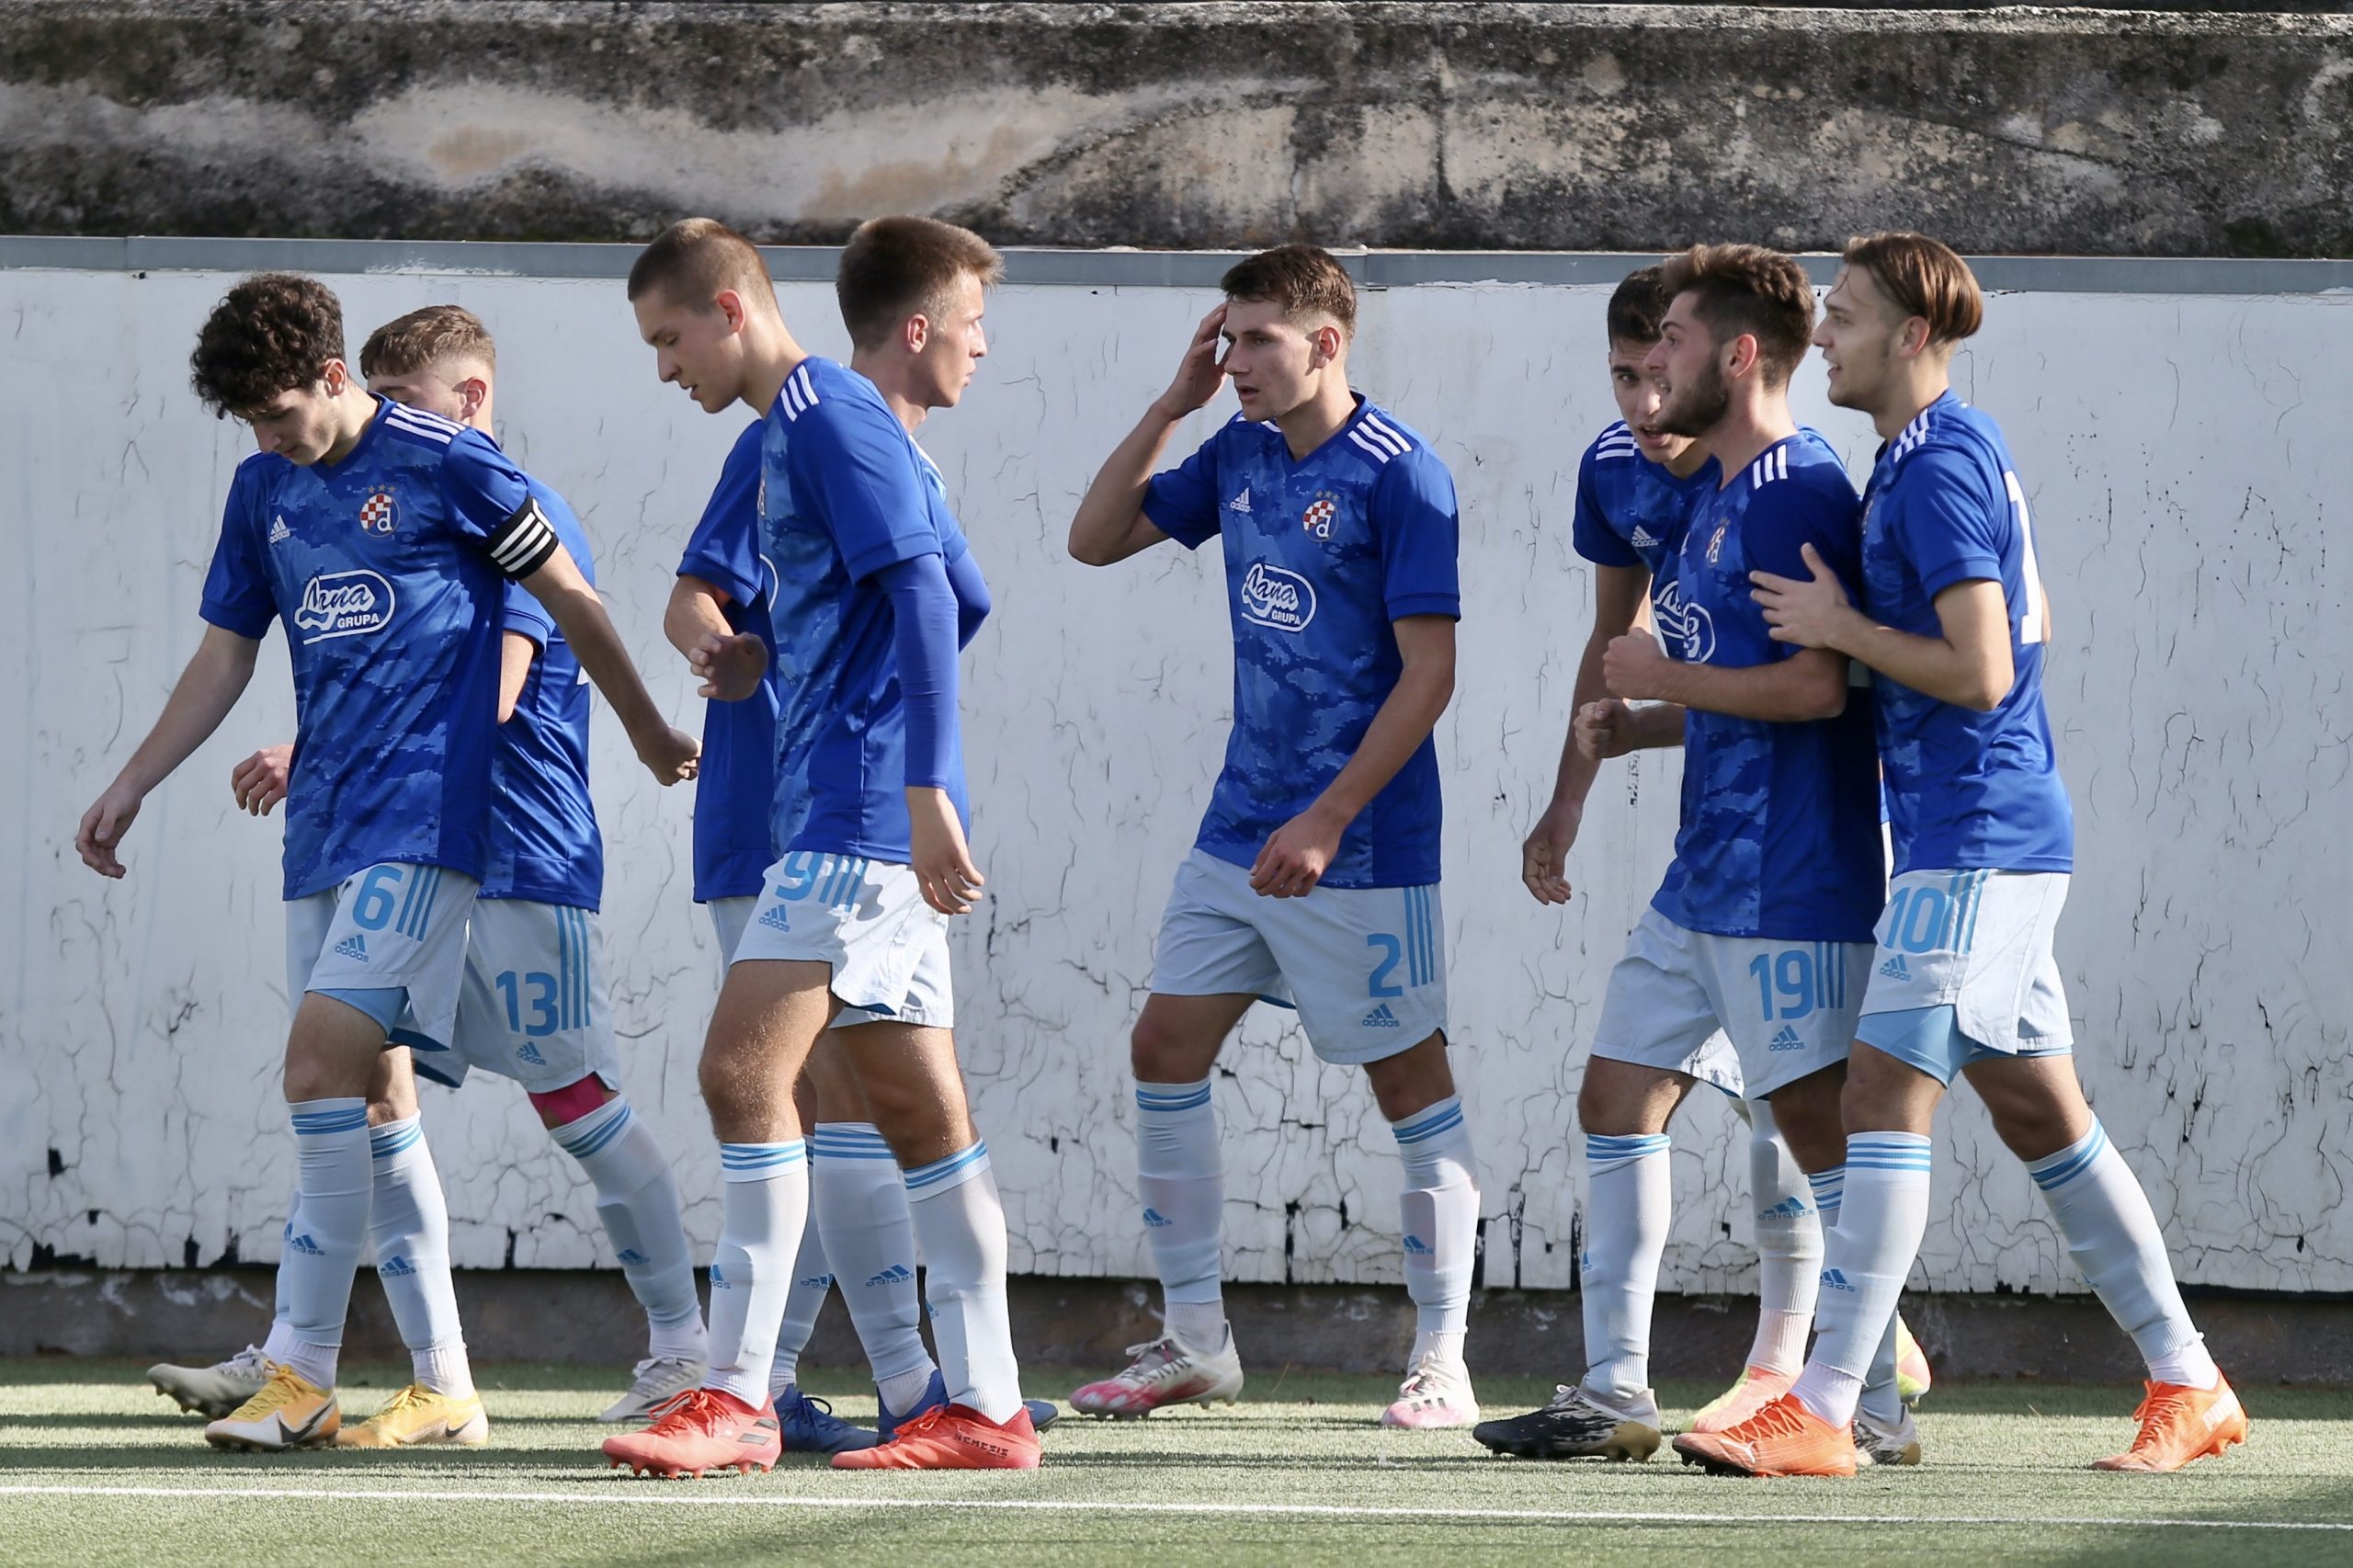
(524, 542)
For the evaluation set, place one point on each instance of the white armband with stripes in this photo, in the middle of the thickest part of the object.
(524, 542)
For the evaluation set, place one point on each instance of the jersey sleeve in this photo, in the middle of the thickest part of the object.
(851, 463)
(1181, 502)
(237, 597)
(1414, 517)
(1801, 510)
(1590, 531)
(1945, 521)
(724, 550)
(523, 613)
(491, 503)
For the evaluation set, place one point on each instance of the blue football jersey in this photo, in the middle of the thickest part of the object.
(1322, 555)
(736, 791)
(842, 496)
(1966, 790)
(1779, 834)
(1629, 510)
(386, 571)
(544, 846)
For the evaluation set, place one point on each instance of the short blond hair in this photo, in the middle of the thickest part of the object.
(420, 339)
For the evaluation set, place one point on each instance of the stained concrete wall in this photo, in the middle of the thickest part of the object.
(1460, 126)
(2186, 462)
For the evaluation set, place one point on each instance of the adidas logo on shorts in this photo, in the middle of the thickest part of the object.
(816, 1282)
(305, 1245)
(1416, 1247)
(530, 1053)
(629, 1256)
(776, 919)
(1381, 1017)
(718, 1280)
(1896, 969)
(1787, 1209)
(396, 1268)
(895, 1274)
(1154, 1218)
(1788, 1039)
(1833, 1279)
(352, 947)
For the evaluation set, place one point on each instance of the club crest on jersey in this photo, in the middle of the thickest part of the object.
(378, 515)
(1272, 597)
(1320, 513)
(1687, 630)
(344, 604)
(1716, 541)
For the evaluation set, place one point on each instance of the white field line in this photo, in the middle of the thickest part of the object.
(618, 1496)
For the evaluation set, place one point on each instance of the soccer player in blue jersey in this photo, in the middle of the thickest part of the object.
(915, 329)
(869, 585)
(1313, 881)
(381, 538)
(1760, 931)
(1637, 485)
(534, 1005)
(1953, 618)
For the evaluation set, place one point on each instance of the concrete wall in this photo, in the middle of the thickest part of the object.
(1449, 125)
(2186, 464)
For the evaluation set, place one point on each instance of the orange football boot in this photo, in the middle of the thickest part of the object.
(700, 1431)
(951, 1436)
(1757, 1388)
(1783, 1438)
(2180, 1426)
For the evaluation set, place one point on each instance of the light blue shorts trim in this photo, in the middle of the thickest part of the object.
(1930, 1040)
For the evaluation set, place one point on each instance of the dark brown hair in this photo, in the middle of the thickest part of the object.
(897, 268)
(1752, 289)
(408, 344)
(1304, 280)
(1637, 306)
(694, 259)
(274, 333)
(1925, 277)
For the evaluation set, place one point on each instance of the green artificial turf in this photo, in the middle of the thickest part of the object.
(1300, 1474)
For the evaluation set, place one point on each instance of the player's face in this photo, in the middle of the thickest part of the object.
(1687, 363)
(1859, 331)
(1638, 402)
(955, 346)
(700, 348)
(300, 426)
(1275, 363)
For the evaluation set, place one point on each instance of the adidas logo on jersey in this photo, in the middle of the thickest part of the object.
(279, 533)
(898, 1273)
(352, 947)
(1416, 1247)
(1788, 1039)
(396, 1268)
(1240, 503)
(776, 919)
(530, 1053)
(1787, 1209)
(1381, 1017)
(1154, 1220)
(1643, 539)
(305, 1245)
(1833, 1279)
(1896, 969)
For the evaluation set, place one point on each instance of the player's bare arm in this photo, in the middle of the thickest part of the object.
(942, 861)
(669, 752)
(1111, 525)
(216, 676)
(1810, 685)
(1297, 855)
(1969, 667)
(729, 662)
(1619, 595)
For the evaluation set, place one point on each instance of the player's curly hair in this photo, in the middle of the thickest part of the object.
(273, 333)
(1751, 290)
(406, 345)
(1924, 277)
(1305, 281)
(1637, 306)
(899, 266)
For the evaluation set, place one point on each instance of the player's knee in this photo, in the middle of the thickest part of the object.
(561, 1107)
(1161, 1051)
(1412, 1081)
(1812, 1121)
(1619, 1100)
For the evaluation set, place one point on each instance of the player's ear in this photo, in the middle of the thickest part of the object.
(1914, 339)
(473, 392)
(729, 304)
(334, 376)
(915, 331)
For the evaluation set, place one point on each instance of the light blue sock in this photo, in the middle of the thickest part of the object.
(409, 1223)
(2112, 1234)
(638, 1202)
(1438, 1211)
(1180, 1176)
(764, 1205)
(335, 1179)
(960, 1224)
(1881, 1219)
(1629, 1207)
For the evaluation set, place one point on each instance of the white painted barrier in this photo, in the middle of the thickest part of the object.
(2187, 456)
